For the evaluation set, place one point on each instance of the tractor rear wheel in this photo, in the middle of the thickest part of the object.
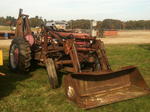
(52, 74)
(20, 55)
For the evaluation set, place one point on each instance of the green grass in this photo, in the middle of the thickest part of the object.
(31, 92)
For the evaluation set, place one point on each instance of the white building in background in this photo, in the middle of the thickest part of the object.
(58, 24)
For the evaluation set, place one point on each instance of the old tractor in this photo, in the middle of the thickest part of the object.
(89, 79)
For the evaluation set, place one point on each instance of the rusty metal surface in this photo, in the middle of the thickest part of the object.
(91, 82)
(22, 25)
(92, 91)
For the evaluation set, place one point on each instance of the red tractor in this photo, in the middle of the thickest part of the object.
(90, 81)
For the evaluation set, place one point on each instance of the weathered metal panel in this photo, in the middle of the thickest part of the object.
(96, 90)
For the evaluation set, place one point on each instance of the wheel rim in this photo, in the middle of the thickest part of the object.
(14, 54)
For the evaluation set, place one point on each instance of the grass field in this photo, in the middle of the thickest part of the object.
(31, 92)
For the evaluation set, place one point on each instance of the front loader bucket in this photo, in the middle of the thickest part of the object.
(90, 90)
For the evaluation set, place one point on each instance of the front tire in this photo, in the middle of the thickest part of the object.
(20, 55)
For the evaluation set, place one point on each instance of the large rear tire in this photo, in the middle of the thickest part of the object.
(52, 74)
(20, 55)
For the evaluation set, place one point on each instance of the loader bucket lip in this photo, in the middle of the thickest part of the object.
(113, 102)
(104, 72)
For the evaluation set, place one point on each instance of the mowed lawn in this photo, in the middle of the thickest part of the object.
(31, 92)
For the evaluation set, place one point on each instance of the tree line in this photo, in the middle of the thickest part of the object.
(112, 24)
(85, 23)
(11, 21)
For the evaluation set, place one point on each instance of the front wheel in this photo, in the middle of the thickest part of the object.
(20, 55)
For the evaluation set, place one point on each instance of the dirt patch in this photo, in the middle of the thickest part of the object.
(129, 37)
(5, 43)
(128, 40)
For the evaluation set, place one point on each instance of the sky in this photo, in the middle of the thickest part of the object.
(79, 9)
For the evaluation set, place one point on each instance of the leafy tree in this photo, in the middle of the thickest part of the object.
(112, 24)
(79, 24)
(36, 21)
(84, 23)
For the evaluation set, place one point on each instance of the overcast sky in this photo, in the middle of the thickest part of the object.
(79, 9)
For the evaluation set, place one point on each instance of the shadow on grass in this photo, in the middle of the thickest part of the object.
(9, 82)
(60, 77)
(60, 73)
(145, 46)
